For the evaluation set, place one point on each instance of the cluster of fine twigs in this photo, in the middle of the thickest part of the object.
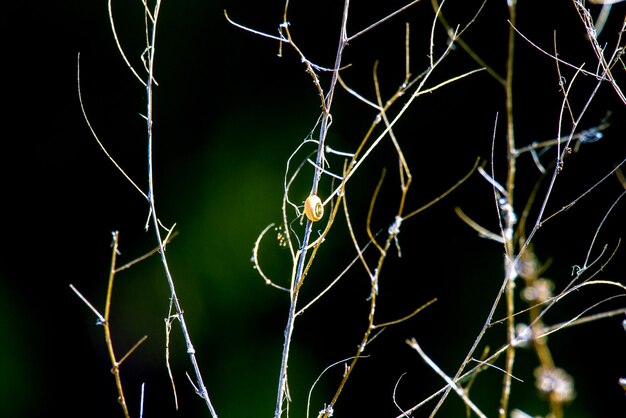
(330, 173)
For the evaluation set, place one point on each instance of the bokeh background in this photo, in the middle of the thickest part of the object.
(228, 114)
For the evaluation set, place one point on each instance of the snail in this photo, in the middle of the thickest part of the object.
(313, 208)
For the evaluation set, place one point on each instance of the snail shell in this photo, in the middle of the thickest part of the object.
(313, 208)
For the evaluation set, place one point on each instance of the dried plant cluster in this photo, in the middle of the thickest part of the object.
(326, 213)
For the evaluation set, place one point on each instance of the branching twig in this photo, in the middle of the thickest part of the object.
(104, 321)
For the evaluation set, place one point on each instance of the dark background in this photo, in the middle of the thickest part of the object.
(228, 113)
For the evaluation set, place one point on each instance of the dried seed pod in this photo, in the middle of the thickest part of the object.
(313, 208)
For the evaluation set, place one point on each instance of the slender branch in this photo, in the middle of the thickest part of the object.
(302, 255)
(201, 389)
(509, 216)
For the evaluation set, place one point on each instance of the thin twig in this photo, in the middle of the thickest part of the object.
(308, 404)
(93, 133)
(414, 345)
(255, 259)
(407, 317)
(147, 255)
(384, 19)
(86, 302)
(119, 45)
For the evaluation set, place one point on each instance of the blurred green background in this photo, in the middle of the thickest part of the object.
(228, 114)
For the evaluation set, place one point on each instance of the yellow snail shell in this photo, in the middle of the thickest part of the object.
(313, 208)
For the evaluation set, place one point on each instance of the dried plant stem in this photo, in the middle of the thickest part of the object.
(302, 254)
(305, 243)
(509, 218)
(104, 321)
(107, 329)
(201, 389)
(301, 261)
(151, 25)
